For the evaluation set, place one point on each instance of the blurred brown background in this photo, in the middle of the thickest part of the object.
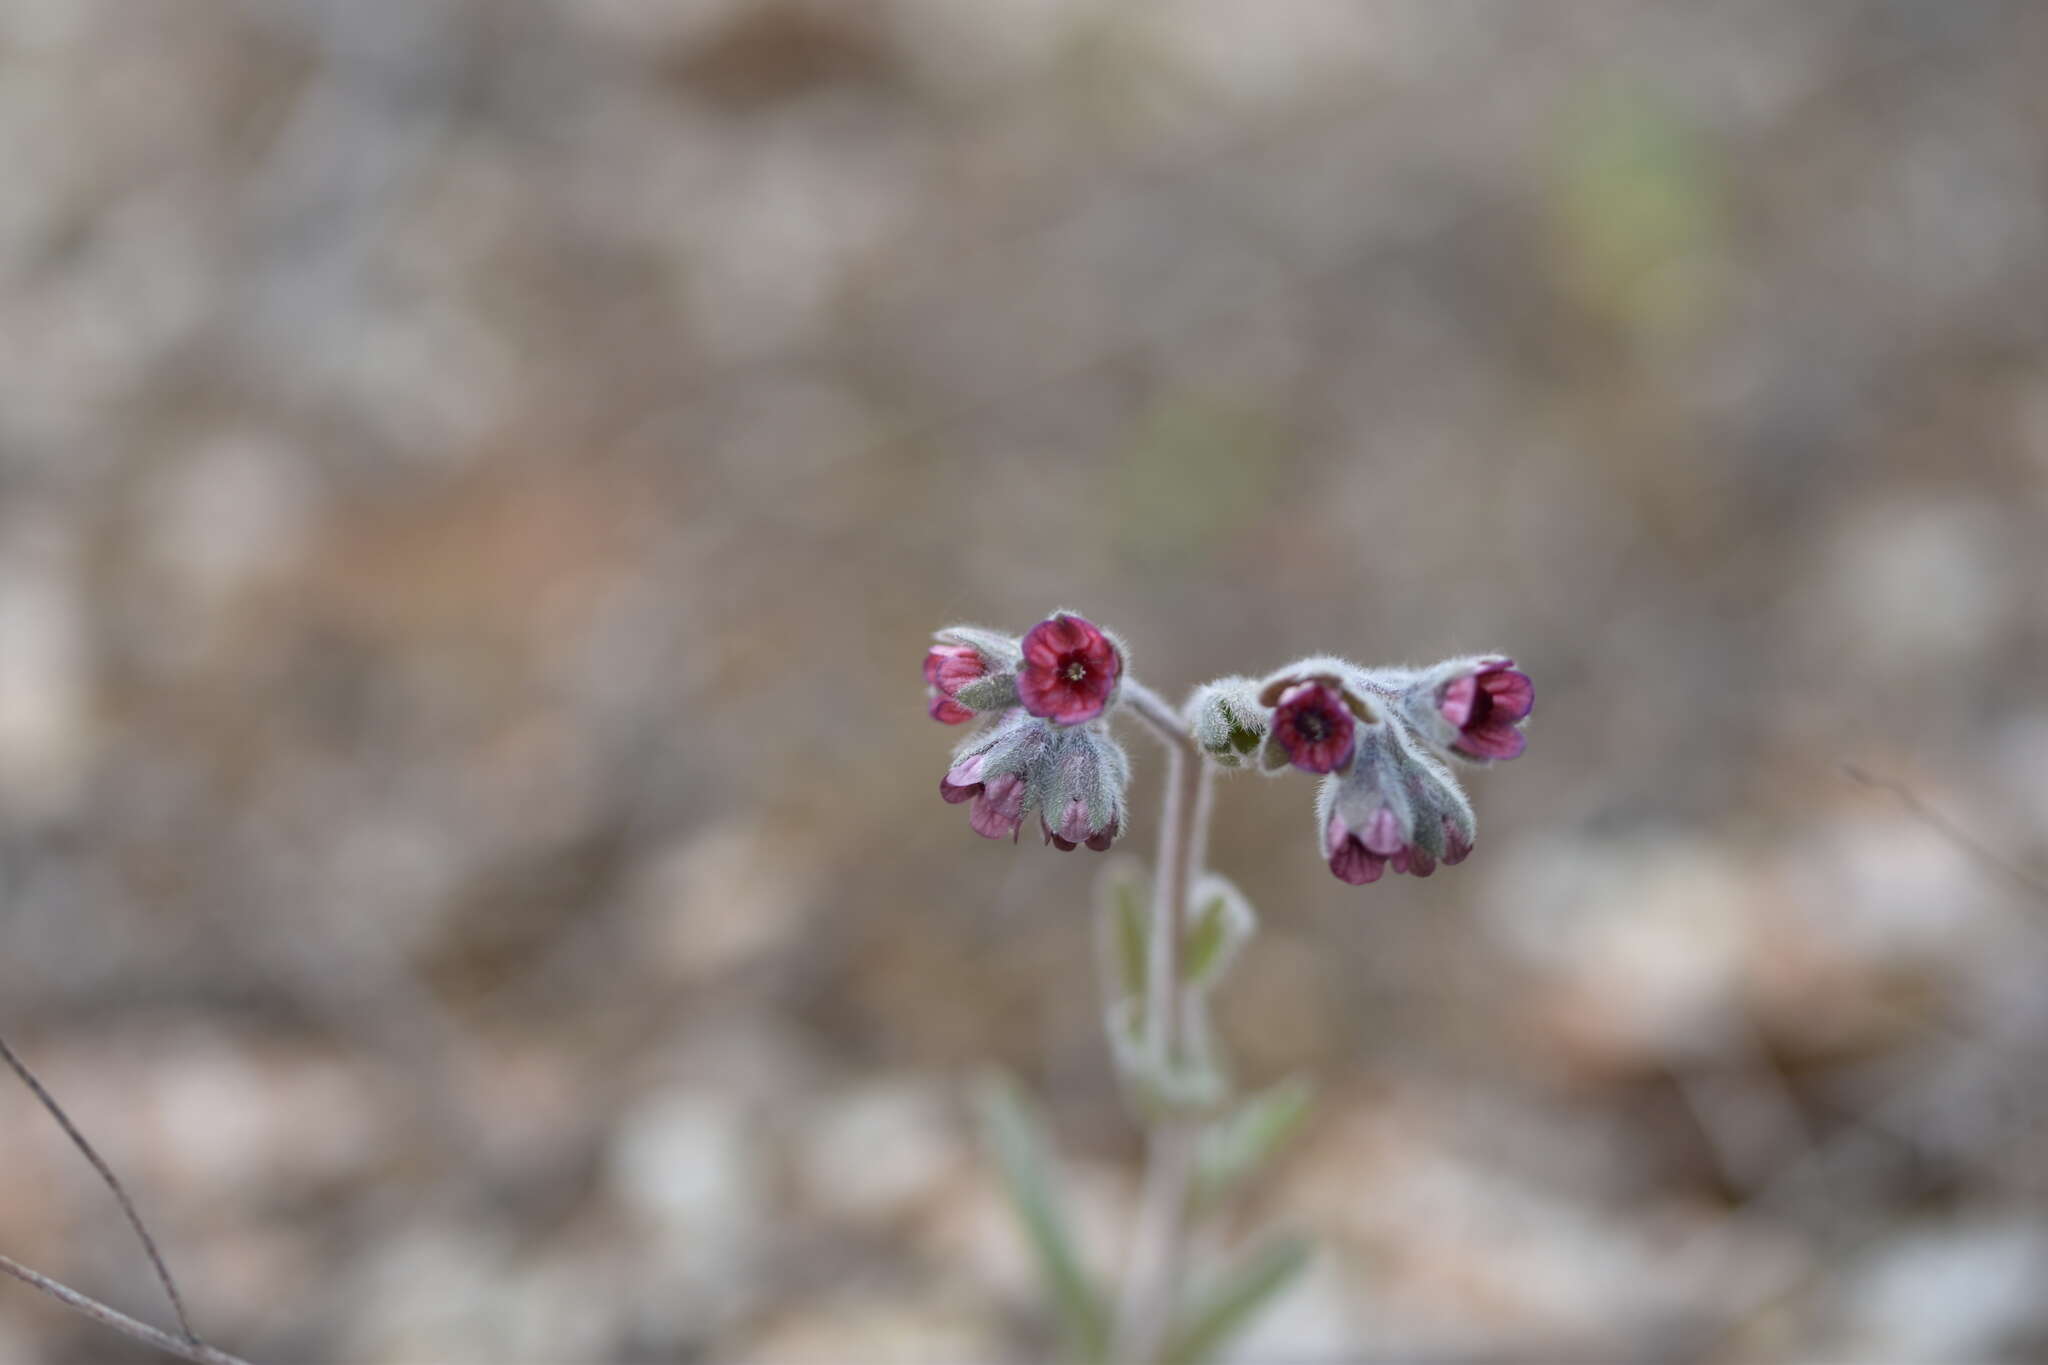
(476, 478)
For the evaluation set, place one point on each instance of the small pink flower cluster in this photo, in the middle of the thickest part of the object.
(1387, 800)
(1048, 748)
(1381, 739)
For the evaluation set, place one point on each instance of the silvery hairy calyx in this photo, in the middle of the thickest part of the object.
(1383, 743)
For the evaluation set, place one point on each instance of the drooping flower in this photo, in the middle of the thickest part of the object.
(1070, 670)
(998, 803)
(948, 668)
(1314, 726)
(1073, 776)
(1397, 807)
(1472, 707)
(1083, 797)
(993, 769)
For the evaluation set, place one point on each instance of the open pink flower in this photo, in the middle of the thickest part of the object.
(1070, 670)
(947, 669)
(1486, 706)
(1314, 726)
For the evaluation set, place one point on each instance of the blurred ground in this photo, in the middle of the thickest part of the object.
(475, 480)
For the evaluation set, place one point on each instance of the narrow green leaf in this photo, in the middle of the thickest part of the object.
(1120, 895)
(1023, 1156)
(1205, 940)
(1222, 1310)
(1235, 1148)
(1223, 923)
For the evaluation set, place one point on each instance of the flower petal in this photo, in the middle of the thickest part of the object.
(1353, 864)
(1513, 693)
(1458, 698)
(1496, 740)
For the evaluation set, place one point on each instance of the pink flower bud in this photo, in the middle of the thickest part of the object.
(1485, 706)
(1070, 670)
(947, 669)
(1314, 726)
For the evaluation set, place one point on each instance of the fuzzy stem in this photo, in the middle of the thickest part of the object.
(1159, 1241)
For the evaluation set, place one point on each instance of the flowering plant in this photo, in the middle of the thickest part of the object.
(1382, 741)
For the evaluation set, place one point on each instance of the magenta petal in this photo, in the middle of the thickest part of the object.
(1352, 863)
(1035, 688)
(1077, 706)
(1457, 847)
(948, 712)
(1041, 647)
(1495, 740)
(1068, 633)
(1513, 693)
(1103, 838)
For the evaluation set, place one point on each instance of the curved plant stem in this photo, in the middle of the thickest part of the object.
(1159, 1242)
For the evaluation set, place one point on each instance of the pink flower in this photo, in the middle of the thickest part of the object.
(1396, 807)
(1070, 670)
(947, 669)
(1485, 707)
(1314, 726)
